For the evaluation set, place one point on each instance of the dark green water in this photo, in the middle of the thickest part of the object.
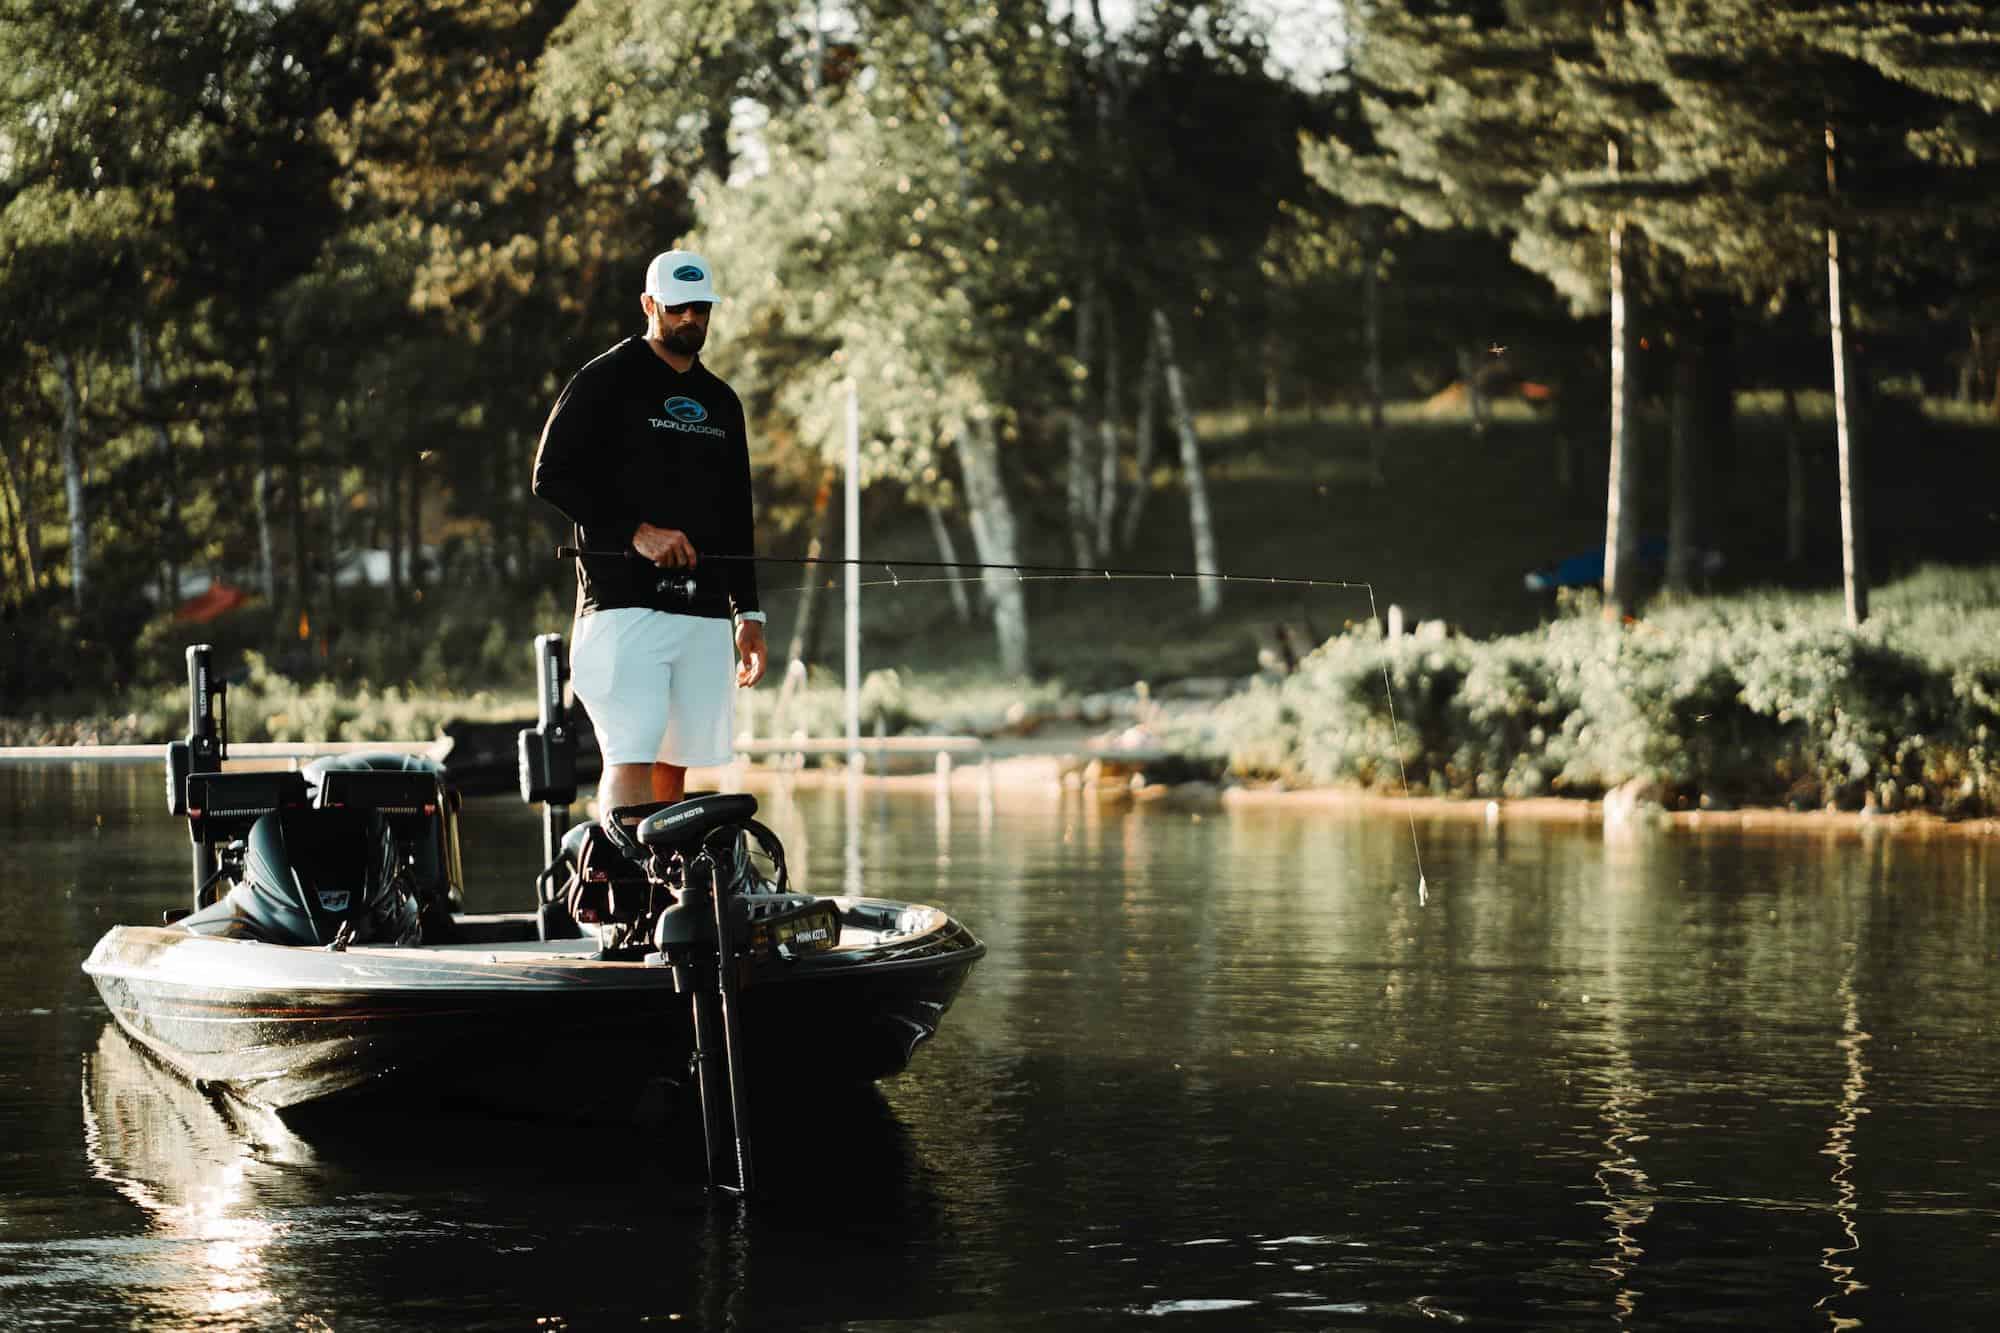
(1220, 1071)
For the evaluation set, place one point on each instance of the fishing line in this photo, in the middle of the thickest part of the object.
(896, 581)
(1025, 573)
(1022, 570)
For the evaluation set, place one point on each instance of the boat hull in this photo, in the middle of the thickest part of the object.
(520, 1026)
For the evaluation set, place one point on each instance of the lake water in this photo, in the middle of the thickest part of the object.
(1219, 1070)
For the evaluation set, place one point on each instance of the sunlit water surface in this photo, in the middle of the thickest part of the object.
(1220, 1069)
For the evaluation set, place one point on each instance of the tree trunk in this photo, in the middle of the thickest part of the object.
(948, 552)
(1716, 458)
(147, 383)
(1476, 406)
(1621, 507)
(993, 535)
(295, 507)
(1272, 349)
(1145, 439)
(1208, 587)
(19, 529)
(392, 516)
(24, 513)
(1683, 455)
(1082, 507)
(1107, 432)
(260, 491)
(413, 544)
(1371, 330)
(329, 493)
(1853, 543)
(71, 444)
(1795, 482)
(795, 655)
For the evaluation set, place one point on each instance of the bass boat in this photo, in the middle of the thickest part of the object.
(326, 959)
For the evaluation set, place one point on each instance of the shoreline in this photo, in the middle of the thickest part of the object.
(1049, 777)
(1103, 777)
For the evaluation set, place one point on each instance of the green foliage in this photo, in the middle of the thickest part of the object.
(1764, 698)
(270, 706)
(898, 702)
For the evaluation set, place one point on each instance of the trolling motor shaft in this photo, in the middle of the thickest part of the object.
(711, 985)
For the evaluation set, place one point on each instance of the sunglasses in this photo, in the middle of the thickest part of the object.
(699, 307)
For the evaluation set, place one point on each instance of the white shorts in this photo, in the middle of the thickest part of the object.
(660, 688)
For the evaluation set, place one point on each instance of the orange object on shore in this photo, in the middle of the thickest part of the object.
(217, 600)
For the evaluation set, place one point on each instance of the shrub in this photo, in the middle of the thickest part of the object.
(1763, 698)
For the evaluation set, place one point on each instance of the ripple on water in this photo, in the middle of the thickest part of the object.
(1196, 1306)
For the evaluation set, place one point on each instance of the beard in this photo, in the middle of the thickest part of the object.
(686, 341)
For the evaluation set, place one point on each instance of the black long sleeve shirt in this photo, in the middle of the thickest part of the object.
(633, 440)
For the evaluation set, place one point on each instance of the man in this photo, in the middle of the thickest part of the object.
(647, 454)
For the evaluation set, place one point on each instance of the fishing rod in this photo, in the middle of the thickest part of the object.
(1024, 571)
(684, 584)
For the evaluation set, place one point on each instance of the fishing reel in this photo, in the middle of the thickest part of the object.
(676, 585)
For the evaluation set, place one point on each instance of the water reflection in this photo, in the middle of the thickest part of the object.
(254, 1222)
(1840, 1147)
(194, 1169)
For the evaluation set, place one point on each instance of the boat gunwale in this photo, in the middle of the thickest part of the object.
(476, 966)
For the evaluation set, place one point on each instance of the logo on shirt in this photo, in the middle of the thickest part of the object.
(684, 414)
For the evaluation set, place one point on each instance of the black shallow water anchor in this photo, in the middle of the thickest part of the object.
(547, 750)
(204, 749)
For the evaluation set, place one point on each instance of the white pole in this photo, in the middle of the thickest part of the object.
(852, 515)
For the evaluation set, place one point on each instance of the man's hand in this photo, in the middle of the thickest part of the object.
(750, 654)
(666, 547)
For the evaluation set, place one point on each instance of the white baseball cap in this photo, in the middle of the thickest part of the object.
(679, 276)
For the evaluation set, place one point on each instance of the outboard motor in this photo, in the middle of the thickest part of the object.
(329, 877)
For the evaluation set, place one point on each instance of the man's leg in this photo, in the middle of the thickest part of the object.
(635, 784)
(624, 784)
(669, 782)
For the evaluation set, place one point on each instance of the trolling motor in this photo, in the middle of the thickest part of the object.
(698, 938)
(699, 887)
